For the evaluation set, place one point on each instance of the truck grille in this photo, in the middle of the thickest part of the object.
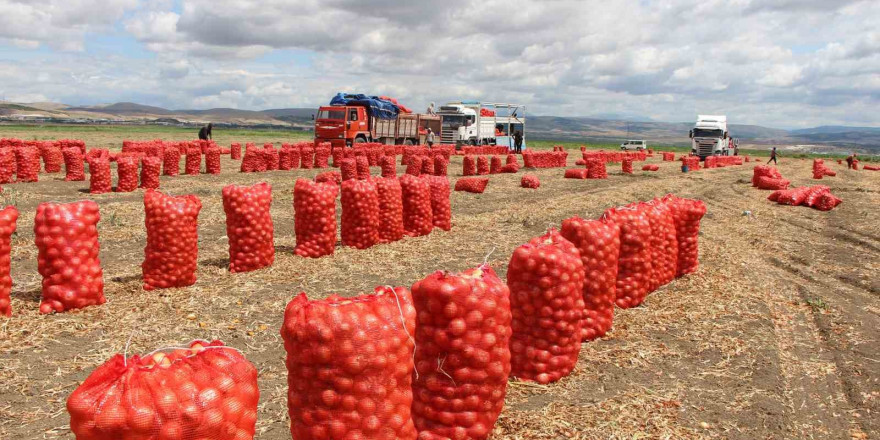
(447, 136)
(704, 150)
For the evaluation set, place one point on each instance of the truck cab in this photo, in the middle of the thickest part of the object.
(342, 125)
(710, 137)
(476, 123)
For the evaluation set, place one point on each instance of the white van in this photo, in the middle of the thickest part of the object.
(634, 145)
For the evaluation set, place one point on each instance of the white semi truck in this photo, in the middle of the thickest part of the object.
(710, 137)
(481, 123)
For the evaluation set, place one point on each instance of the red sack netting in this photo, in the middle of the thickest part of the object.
(322, 158)
(172, 251)
(511, 160)
(363, 167)
(634, 269)
(596, 169)
(627, 165)
(482, 165)
(127, 171)
(73, 165)
(348, 169)
(193, 163)
(545, 159)
(212, 161)
(294, 158)
(284, 162)
(599, 244)
(205, 391)
(441, 207)
(249, 226)
(772, 183)
(664, 243)
(360, 213)
(870, 168)
(389, 168)
(469, 166)
(52, 159)
(417, 213)
(495, 165)
(8, 218)
(463, 357)
(817, 197)
(27, 160)
(349, 366)
(99, 175)
(530, 181)
(390, 209)
(441, 166)
(691, 162)
(576, 173)
(510, 168)
(272, 158)
(254, 161)
(150, 169)
(171, 162)
(235, 151)
(827, 202)
(414, 167)
(651, 167)
(794, 197)
(8, 166)
(546, 281)
(814, 194)
(668, 156)
(764, 171)
(687, 214)
(427, 166)
(314, 206)
(334, 177)
(472, 184)
(66, 236)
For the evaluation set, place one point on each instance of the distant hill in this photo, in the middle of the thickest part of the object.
(123, 108)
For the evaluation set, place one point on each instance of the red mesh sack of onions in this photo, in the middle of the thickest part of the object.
(414, 167)
(271, 157)
(127, 170)
(546, 281)
(8, 166)
(794, 197)
(576, 173)
(441, 166)
(463, 358)
(827, 202)
(427, 166)
(314, 206)
(66, 236)
(472, 184)
(171, 162)
(389, 167)
(596, 169)
(193, 163)
(441, 207)
(235, 151)
(511, 160)
(172, 251)
(27, 160)
(634, 270)
(651, 167)
(284, 162)
(253, 161)
(322, 158)
(349, 366)
(417, 212)
(294, 158)
(363, 167)
(99, 175)
(334, 177)
(52, 159)
(599, 245)
(482, 165)
(627, 165)
(74, 166)
(687, 214)
(150, 169)
(469, 166)
(814, 194)
(306, 158)
(249, 226)
(390, 209)
(360, 213)
(8, 218)
(664, 242)
(495, 165)
(337, 154)
(204, 391)
(348, 169)
(530, 181)
(212, 160)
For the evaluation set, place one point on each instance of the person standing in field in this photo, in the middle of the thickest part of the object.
(517, 142)
(205, 132)
(430, 138)
(849, 161)
(430, 110)
(772, 157)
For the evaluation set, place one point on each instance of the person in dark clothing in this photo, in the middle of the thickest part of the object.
(773, 157)
(849, 161)
(517, 141)
(205, 132)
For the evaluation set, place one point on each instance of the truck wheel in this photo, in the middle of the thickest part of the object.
(408, 142)
(360, 140)
(473, 142)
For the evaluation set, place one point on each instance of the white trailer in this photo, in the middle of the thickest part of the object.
(710, 137)
(464, 123)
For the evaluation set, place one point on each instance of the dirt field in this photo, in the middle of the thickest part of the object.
(776, 336)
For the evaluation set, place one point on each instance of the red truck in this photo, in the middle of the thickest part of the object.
(345, 125)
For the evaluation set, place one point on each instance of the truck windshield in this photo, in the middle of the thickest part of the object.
(453, 121)
(707, 133)
(332, 114)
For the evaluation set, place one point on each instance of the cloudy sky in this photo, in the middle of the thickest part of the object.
(782, 63)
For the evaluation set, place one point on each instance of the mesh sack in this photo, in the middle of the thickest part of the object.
(664, 244)
(599, 245)
(337, 154)
(99, 175)
(389, 168)
(66, 236)
(546, 281)
(74, 166)
(348, 169)
(814, 194)
(794, 197)
(235, 151)
(206, 391)
(627, 165)
(172, 251)
(427, 166)
(764, 171)
(272, 158)
(687, 214)
(171, 162)
(441, 166)
(827, 202)
(495, 165)
(314, 206)
(390, 209)
(27, 161)
(249, 226)
(284, 162)
(469, 166)
(414, 166)
(511, 160)
(212, 161)
(482, 165)
(596, 169)
(334, 177)
(8, 218)
(512, 168)
(349, 366)
(295, 158)
(52, 159)
(441, 207)
(253, 161)
(576, 173)
(417, 212)
(772, 183)
(360, 213)
(306, 158)
(463, 358)
(363, 167)
(530, 181)
(651, 168)
(8, 167)
(472, 184)
(193, 163)
(127, 171)
(322, 158)
(634, 270)
(150, 168)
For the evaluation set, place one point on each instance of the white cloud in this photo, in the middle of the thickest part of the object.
(61, 24)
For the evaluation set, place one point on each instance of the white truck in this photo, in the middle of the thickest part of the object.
(481, 123)
(710, 137)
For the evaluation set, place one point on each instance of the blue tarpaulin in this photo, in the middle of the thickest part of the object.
(380, 108)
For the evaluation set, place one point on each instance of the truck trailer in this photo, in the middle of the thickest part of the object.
(481, 123)
(355, 123)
